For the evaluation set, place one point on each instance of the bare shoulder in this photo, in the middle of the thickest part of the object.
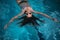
(29, 7)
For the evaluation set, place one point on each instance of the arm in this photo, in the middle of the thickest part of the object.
(45, 15)
(41, 14)
(14, 18)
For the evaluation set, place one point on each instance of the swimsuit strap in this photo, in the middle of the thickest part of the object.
(22, 2)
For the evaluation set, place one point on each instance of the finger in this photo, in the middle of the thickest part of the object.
(5, 26)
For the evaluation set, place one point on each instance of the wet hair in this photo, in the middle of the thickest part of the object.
(31, 20)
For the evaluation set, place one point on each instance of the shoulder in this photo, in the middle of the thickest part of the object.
(29, 7)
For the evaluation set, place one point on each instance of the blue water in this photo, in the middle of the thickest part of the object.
(49, 29)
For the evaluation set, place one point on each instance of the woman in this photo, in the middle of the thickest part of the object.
(29, 17)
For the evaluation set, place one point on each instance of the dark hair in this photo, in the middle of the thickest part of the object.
(23, 2)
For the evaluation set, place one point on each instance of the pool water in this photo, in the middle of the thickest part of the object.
(49, 30)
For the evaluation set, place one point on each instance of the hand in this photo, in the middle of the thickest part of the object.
(54, 19)
(5, 26)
